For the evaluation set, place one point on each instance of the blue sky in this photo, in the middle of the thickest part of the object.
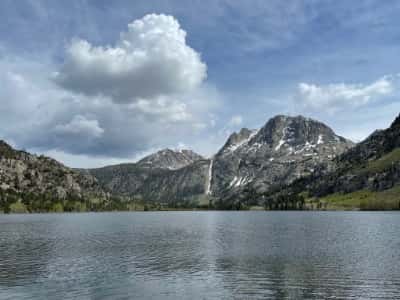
(238, 63)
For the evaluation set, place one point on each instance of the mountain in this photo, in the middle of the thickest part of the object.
(284, 149)
(164, 176)
(291, 162)
(365, 177)
(38, 183)
(169, 159)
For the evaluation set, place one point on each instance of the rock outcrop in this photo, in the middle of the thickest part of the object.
(24, 175)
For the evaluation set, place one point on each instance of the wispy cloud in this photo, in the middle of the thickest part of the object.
(339, 96)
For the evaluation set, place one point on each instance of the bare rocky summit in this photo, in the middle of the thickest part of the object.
(169, 159)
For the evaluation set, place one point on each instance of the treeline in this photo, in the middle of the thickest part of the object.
(13, 202)
(275, 198)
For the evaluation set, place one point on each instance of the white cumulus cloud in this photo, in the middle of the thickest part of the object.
(109, 103)
(150, 59)
(333, 97)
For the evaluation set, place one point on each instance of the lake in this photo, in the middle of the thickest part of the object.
(200, 255)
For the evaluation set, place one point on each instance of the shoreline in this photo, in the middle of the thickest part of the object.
(197, 210)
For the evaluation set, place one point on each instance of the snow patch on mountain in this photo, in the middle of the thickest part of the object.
(282, 141)
(239, 181)
(234, 146)
(320, 140)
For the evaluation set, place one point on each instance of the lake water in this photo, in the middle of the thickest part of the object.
(201, 255)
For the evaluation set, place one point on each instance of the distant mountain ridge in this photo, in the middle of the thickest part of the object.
(169, 159)
(155, 177)
(289, 157)
(284, 149)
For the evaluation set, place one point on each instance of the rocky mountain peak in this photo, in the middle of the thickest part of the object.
(288, 132)
(236, 139)
(285, 135)
(373, 164)
(284, 149)
(169, 159)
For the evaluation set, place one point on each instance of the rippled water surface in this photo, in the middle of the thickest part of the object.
(200, 255)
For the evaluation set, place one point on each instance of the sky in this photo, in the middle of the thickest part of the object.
(93, 83)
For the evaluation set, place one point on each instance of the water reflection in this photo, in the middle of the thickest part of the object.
(222, 255)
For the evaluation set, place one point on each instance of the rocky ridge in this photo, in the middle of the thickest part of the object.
(25, 175)
(164, 176)
(288, 155)
(367, 175)
(284, 149)
(169, 159)
(373, 164)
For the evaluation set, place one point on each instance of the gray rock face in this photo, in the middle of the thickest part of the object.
(284, 149)
(22, 172)
(186, 184)
(372, 164)
(160, 176)
(377, 144)
(236, 140)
